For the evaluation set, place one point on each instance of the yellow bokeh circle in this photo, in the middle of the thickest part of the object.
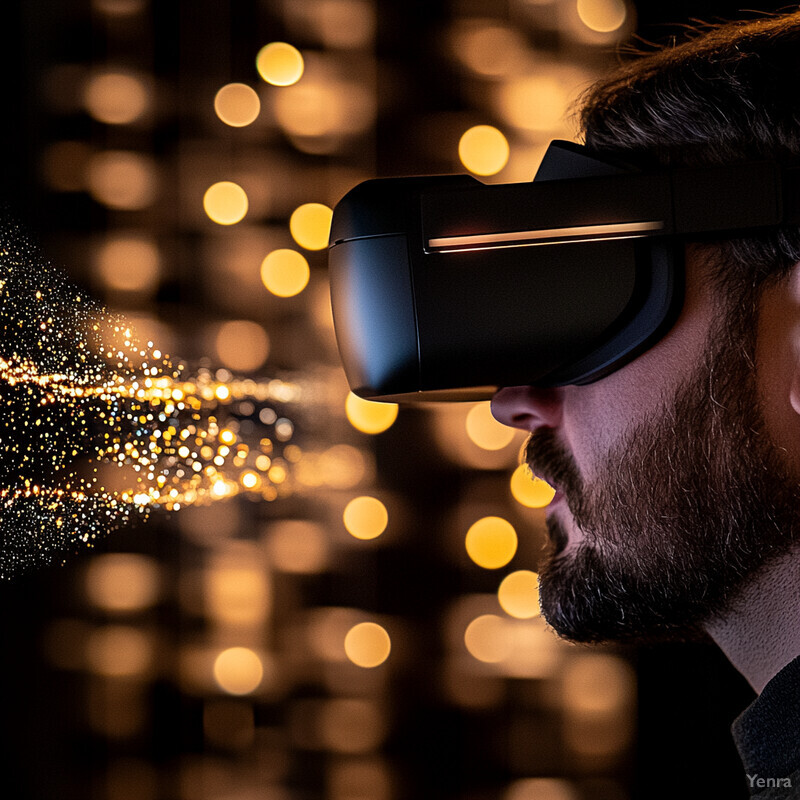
(368, 416)
(122, 179)
(519, 594)
(237, 105)
(365, 517)
(238, 670)
(367, 645)
(116, 98)
(225, 203)
(483, 150)
(528, 490)
(491, 542)
(285, 272)
(487, 639)
(602, 16)
(280, 64)
(242, 345)
(485, 431)
(310, 225)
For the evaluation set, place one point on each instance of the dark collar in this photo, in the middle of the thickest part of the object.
(767, 732)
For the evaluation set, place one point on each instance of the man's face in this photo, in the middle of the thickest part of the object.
(671, 490)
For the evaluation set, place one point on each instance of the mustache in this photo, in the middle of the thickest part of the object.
(549, 460)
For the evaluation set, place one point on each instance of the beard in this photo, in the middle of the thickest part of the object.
(690, 506)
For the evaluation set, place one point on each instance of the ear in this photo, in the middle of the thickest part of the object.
(794, 390)
(778, 357)
(792, 321)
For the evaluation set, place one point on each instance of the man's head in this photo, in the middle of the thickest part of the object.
(678, 474)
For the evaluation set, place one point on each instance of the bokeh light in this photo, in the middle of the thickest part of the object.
(324, 107)
(129, 263)
(529, 490)
(535, 102)
(485, 431)
(310, 225)
(242, 345)
(297, 546)
(119, 651)
(116, 98)
(368, 416)
(285, 272)
(602, 16)
(237, 105)
(122, 179)
(597, 683)
(487, 639)
(353, 778)
(225, 202)
(122, 582)
(367, 645)
(344, 23)
(491, 542)
(237, 589)
(327, 630)
(352, 725)
(280, 64)
(365, 517)
(519, 594)
(489, 50)
(541, 789)
(483, 150)
(238, 670)
(341, 466)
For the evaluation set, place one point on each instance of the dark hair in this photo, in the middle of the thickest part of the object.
(730, 93)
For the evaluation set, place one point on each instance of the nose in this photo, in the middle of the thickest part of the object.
(527, 407)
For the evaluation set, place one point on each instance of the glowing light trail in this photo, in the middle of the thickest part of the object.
(97, 429)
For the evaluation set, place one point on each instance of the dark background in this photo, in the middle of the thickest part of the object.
(688, 694)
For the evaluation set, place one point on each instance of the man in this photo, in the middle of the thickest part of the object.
(678, 475)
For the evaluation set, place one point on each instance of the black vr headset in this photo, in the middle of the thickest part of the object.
(444, 288)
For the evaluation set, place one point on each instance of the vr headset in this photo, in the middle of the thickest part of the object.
(444, 288)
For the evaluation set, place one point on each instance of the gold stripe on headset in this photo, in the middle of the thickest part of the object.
(521, 237)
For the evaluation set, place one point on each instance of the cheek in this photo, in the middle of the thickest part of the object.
(597, 416)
